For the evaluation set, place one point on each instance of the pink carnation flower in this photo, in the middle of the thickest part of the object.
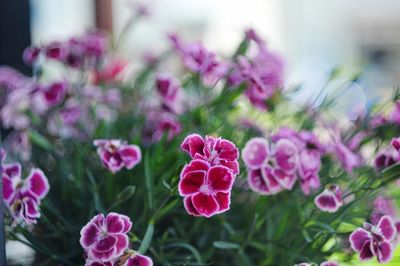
(170, 91)
(330, 200)
(206, 188)
(115, 154)
(105, 238)
(22, 197)
(372, 241)
(216, 151)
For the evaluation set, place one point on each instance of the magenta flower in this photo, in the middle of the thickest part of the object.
(330, 200)
(116, 154)
(372, 241)
(170, 91)
(216, 151)
(105, 238)
(31, 55)
(206, 189)
(166, 123)
(382, 206)
(55, 93)
(255, 153)
(22, 197)
(56, 50)
(199, 60)
(329, 263)
(136, 259)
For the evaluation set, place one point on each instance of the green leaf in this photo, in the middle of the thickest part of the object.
(225, 245)
(144, 246)
(126, 193)
(193, 250)
(149, 179)
(39, 140)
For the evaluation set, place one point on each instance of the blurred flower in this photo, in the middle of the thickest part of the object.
(31, 55)
(275, 166)
(55, 92)
(394, 116)
(133, 258)
(388, 156)
(116, 154)
(372, 241)
(110, 73)
(56, 50)
(347, 157)
(166, 123)
(382, 206)
(199, 60)
(170, 91)
(330, 200)
(206, 189)
(216, 151)
(22, 197)
(105, 238)
(329, 263)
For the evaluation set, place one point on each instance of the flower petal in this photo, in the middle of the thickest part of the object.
(191, 182)
(285, 179)
(224, 201)
(89, 235)
(8, 188)
(105, 244)
(121, 245)
(387, 227)
(286, 155)
(12, 170)
(206, 205)
(327, 201)
(193, 144)
(187, 202)
(139, 260)
(195, 165)
(115, 224)
(255, 153)
(227, 150)
(37, 183)
(270, 180)
(220, 178)
(130, 155)
(358, 239)
(366, 252)
(232, 165)
(384, 251)
(257, 182)
(127, 223)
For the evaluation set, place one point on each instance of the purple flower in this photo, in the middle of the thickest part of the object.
(56, 50)
(170, 91)
(55, 92)
(199, 60)
(137, 259)
(116, 154)
(347, 158)
(382, 206)
(31, 55)
(105, 238)
(255, 153)
(166, 123)
(330, 200)
(372, 241)
(22, 197)
(395, 115)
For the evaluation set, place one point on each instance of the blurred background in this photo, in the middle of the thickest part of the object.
(313, 36)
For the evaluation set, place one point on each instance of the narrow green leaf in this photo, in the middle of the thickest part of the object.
(149, 179)
(144, 246)
(39, 140)
(225, 245)
(193, 250)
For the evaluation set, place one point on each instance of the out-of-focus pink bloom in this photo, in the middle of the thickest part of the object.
(31, 55)
(262, 74)
(372, 241)
(394, 117)
(55, 92)
(396, 145)
(389, 156)
(347, 158)
(110, 73)
(116, 154)
(170, 91)
(105, 238)
(56, 50)
(13, 113)
(252, 35)
(377, 121)
(329, 263)
(216, 151)
(168, 124)
(11, 79)
(330, 200)
(382, 206)
(199, 60)
(206, 189)
(255, 153)
(95, 44)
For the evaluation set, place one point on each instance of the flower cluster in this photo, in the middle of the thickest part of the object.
(116, 154)
(206, 182)
(389, 156)
(273, 167)
(199, 60)
(22, 197)
(375, 241)
(262, 73)
(105, 241)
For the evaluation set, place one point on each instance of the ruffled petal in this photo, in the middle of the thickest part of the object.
(8, 188)
(121, 244)
(224, 201)
(115, 224)
(270, 180)
(257, 182)
(187, 202)
(286, 155)
(191, 182)
(387, 227)
(193, 144)
(12, 170)
(327, 201)
(358, 239)
(366, 252)
(130, 155)
(127, 223)
(139, 260)
(195, 165)
(285, 179)
(255, 153)
(220, 178)
(384, 251)
(227, 150)
(37, 183)
(105, 244)
(206, 205)
(89, 235)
